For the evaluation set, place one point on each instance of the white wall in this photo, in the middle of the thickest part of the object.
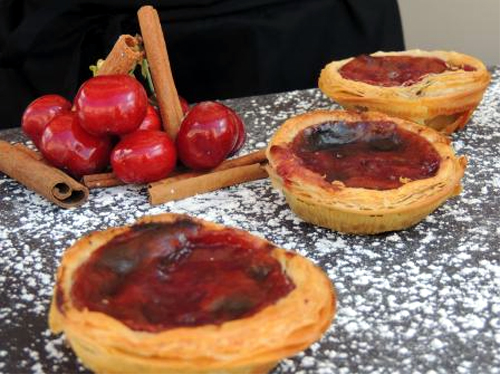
(468, 26)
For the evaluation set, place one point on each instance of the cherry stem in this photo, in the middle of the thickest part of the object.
(146, 73)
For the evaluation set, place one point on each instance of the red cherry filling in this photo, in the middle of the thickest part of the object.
(368, 154)
(159, 276)
(390, 71)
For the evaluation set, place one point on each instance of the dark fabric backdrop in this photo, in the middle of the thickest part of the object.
(218, 48)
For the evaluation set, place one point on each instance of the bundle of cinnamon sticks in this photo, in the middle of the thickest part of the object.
(61, 189)
(184, 184)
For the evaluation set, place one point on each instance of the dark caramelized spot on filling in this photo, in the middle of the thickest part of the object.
(373, 155)
(390, 71)
(159, 276)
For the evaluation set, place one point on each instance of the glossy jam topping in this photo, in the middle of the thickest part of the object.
(159, 276)
(372, 155)
(389, 71)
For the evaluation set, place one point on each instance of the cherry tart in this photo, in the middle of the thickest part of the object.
(438, 89)
(362, 172)
(175, 294)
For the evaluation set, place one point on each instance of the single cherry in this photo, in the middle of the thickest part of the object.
(111, 104)
(208, 134)
(143, 156)
(152, 120)
(66, 145)
(39, 113)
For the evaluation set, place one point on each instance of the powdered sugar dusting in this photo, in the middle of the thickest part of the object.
(425, 299)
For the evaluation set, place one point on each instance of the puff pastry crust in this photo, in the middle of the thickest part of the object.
(252, 344)
(443, 101)
(360, 210)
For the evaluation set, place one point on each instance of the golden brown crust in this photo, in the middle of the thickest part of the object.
(443, 101)
(360, 210)
(248, 345)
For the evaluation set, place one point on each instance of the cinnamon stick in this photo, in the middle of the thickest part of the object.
(163, 81)
(250, 158)
(101, 180)
(180, 189)
(123, 58)
(52, 183)
(30, 152)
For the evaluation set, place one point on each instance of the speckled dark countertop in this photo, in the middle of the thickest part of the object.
(423, 300)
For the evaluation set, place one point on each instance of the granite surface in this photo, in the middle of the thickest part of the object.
(423, 300)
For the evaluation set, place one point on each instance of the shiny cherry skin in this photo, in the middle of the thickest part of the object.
(152, 120)
(144, 156)
(111, 104)
(242, 134)
(66, 145)
(207, 135)
(38, 114)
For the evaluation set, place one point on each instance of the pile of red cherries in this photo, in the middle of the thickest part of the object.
(111, 122)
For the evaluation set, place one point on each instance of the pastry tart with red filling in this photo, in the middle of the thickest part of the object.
(362, 172)
(175, 294)
(438, 89)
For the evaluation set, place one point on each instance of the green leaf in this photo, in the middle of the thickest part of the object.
(146, 73)
(95, 68)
